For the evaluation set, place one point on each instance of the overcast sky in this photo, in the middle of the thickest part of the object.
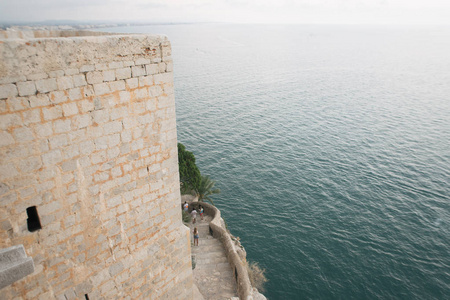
(240, 11)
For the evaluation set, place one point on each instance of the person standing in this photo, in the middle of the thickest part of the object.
(201, 212)
(196, 236)
(185, 206)
(194, 215)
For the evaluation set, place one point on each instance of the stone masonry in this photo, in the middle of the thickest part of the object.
(88, 137)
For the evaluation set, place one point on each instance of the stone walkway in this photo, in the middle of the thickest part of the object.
(213, 274)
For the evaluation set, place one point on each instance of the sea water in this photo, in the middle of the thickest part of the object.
(331, 147)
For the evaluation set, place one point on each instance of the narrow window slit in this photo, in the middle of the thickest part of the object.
(33, 221)
(86, 296)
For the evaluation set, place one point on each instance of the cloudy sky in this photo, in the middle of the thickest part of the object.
(239, 11)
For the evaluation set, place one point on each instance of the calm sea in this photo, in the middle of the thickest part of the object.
(331, 145)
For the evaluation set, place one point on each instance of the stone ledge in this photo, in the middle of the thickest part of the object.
(70, 53)
(14, 265)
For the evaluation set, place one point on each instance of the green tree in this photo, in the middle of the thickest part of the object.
(189, 173)
(206, 189)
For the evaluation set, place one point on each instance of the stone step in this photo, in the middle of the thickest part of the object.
(211, 268)
(211, 261)
(215, 249)
(14, 265)
(208, 241)
(204, 234)
(224, 266)
(224, 275)
(205, 241)
(204, 230)
(227, 290)
(11, 255)
(200, 224)
(221, 276)
(206, 248)
(210, 255)
(225, 294)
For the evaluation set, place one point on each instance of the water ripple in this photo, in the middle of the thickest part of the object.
(331, 148)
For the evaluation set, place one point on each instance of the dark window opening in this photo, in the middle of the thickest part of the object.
(86, 296)
(33, 221)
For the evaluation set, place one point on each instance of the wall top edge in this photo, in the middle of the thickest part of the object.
(38, 58)
(35, 35)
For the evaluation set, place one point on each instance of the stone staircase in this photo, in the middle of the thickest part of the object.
(213, 274)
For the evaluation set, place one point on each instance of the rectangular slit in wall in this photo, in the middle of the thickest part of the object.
(33, 221)
(86, 296)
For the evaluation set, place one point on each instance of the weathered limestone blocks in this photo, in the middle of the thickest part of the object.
(88, 137)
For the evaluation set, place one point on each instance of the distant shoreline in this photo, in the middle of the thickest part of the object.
(84, 26)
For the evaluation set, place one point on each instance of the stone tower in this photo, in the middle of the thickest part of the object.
(89, 179)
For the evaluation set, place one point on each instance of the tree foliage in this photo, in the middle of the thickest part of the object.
(190, 176)
(206, 189)
(191, 179)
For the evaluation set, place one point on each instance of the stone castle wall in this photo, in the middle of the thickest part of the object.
(88, 137)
